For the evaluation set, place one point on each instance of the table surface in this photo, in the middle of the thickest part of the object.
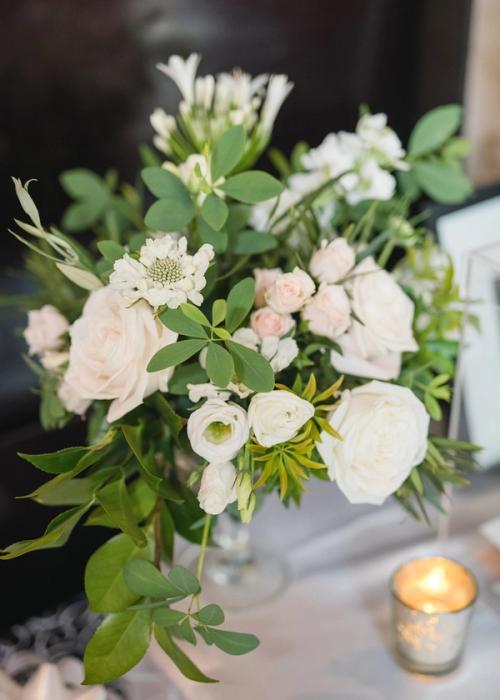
(328, 636)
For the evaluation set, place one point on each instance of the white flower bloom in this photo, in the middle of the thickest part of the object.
(369, 182)
(194, 172)
(265, 215)
(278, 416)
(246, 337)
(44, 330)
(363, 356)
(111, 346)
(328, 312)
(52, 359)
(290, 291)
(165, 273)
(163, 124)
(383, 142)
(218, 430)
(266, 322)
(332, 261)
(337, 154)
(182, 72)
(384, 435)
(206, 391)
(280, 352)
(264, 277)
(278, 90)
(217, 488)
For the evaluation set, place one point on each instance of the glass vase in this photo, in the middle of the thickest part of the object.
(238, 574)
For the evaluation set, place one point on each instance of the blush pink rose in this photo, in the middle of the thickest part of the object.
(265, 322)
(263, 280)
(332, 261)
(290, 291)
(328, 312)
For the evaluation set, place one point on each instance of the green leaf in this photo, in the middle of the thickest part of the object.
(183, 662)
(175, 353)
(111, 250)
(220, 365)
(81, 215)
(167, 413)
(105, 585)
(210, 615)
(137, 241)
(143, 578)
(166, 617)
(252, 186)
(184, 580)
(218, 311)
(251, 242)
(456, 149)
(115, 500)
(178, 322)
(237, 220)
(164, 184)
(433, 129)
(56, 462)
(252, 369)
(235, 643)
(217, 239)
(56, 534)
(227, 152)
(186, 374)
(214, 210)
(81, 183)
(167, 532)
(118, 644)
(195, 314)
(62, 491)
(239, 303)
(82, 278)
(443, 182)
(169, 215)
(185, 631)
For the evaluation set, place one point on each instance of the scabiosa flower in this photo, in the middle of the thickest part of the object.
(165, 273)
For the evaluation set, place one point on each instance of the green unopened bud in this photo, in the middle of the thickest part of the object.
(243, 490)
(247, 513)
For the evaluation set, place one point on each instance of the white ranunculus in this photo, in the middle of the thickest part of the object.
(264, 277)
(217, 488)
(280, 352)
(218, 430)
(332, 261)
(384, 435)
(328, 312)
(278, 416)
(111, 346)
(44, 330)
(382, 306)
(362, 355)
(266, 322)
(290, 291)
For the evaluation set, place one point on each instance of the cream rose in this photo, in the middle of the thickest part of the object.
(328, 312)
(384, 435)
(332, 261)
(264, 278)
(218, 430)
(278, 416)
(382, 306)
(217, 488)
(266, 322)
(362, 355)
(290, 291)
(111, 345)
(44, 330)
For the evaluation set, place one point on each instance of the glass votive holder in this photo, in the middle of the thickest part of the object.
(432, 601)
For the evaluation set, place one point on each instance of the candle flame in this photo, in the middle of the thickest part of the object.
(436, 580)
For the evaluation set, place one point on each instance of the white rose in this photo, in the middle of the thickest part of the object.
(44, 330)
(217, 488)
(278, 416)
(218, 430)
(280, 352)
(384, 435)
(266, 322)
(362, 355)
(290, 291)
(382, 306)
(72, 400)
(111, 346)
(332, 261)
(263, 280)
(328, 312)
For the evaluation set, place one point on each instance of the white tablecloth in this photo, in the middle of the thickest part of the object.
(328, 636)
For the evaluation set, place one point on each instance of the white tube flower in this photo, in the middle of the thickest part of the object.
(278, 90)
(164, 274)
(182, 72)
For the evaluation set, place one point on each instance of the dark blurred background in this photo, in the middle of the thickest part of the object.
(77, 83)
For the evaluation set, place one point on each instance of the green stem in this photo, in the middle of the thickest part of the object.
(203, 547)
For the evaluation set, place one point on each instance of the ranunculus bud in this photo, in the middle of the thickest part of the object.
(328, 312)
(267, 322)
(290, 291)
(217, 488)
(332, 261)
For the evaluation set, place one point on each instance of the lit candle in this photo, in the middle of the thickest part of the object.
(432, 602)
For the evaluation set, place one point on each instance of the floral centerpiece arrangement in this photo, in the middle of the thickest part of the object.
(266, 329)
